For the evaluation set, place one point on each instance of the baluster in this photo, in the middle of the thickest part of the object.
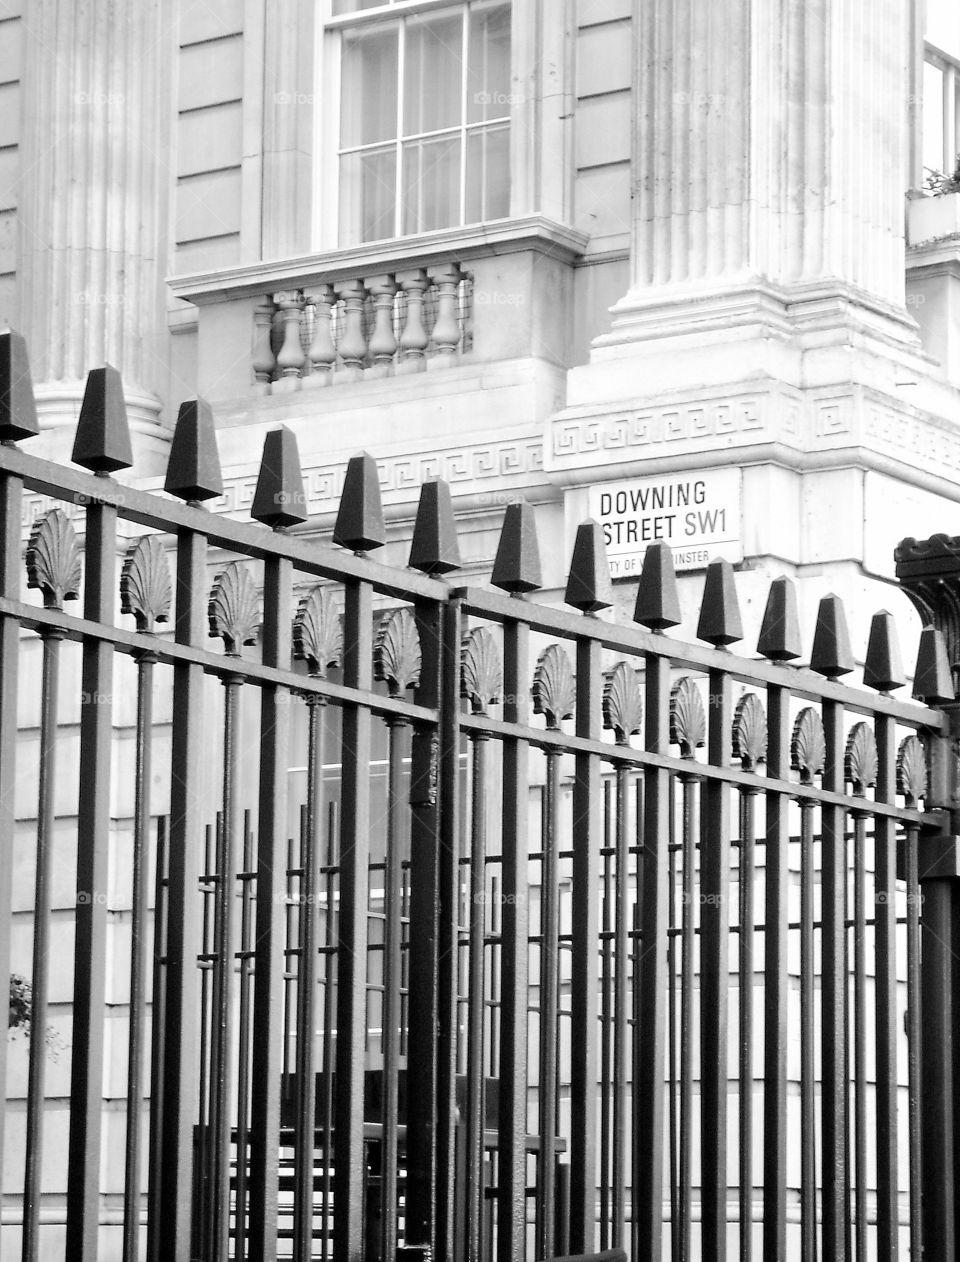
(291, 358)
(264, 361)
(322, 352)
(353, 347)
(413, 339)
(446, 330)
(383, 344)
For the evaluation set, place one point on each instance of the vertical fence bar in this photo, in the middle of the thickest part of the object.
(449, 860)
(514, 969)
(808, 1128)
(11, 504)
(93, 832)
(606, 1015)
(673, 1048)
(138, 957)
(914, 1027)
(475, 1111)
(688, 930)
(715, 972)
(224, 949)
(549, 972)
(36, 1070)
(651, 1031)
(860, 1034)
(268, 962)
(885, 954)
(329, 1031)
(306, 1094)
(181, 1052)
(835, 1167)
(247, 910)
(620, 1011)
(583, 1001)
(354, 899)
(202, 1209)
(777, 877)
(157, 1023)
(392, 972)
(424, 1001)
(747, 874)
(937, 1094)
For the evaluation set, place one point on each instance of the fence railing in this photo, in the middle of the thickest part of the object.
(426, 921)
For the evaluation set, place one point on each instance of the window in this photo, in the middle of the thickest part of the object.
(941, 89)
(424, 129)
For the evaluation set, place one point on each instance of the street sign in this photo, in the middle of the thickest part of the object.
(698, 515)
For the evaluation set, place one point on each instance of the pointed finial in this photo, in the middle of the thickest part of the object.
(18, 410)
(360, 525)
(280, 499)
(193, 470)
(588, 584)
(780, 631)
(883, 668)
(102, 441)
(932, 681)
(517, 564)
(434, 548)
(831, 655)
(720, 610)
(658, 605)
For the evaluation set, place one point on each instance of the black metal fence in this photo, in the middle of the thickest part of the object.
(426, 921)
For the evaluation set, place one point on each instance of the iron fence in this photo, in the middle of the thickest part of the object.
(453, 925)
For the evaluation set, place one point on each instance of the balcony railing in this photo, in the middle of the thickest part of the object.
(362, 328)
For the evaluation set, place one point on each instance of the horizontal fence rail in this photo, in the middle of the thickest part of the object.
(425, 921)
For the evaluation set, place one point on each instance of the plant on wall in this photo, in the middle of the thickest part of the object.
(21, 1007)
(938, 184)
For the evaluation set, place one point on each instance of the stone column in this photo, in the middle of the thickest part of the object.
(770, 165)
(97, 170)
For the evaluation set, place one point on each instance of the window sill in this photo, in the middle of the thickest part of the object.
(504, 236)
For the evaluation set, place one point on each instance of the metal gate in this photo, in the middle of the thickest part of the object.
(428, 921)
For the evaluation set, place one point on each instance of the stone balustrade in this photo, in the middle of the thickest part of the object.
(371, 326)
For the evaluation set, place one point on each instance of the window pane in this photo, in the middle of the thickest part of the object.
(488, 72)
(432, 73)
(488, 174)
(368, 98)
(368, 196)
(943, 25)
(431, 184)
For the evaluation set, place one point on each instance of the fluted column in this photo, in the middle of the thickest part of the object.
(92, 249)
(769, 151)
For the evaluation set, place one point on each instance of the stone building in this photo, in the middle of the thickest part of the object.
(681, 268)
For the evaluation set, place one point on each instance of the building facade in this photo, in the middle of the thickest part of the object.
(684, 269)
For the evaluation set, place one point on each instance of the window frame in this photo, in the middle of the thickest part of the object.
(535, 127)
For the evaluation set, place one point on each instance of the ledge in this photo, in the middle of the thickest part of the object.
(507, 236)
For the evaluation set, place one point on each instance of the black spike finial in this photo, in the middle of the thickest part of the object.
(780, 630)
(720, 621)
(516, 567)
(280, 499)
(831, 655)
(932, 679)
(102, 441)
(434, 548)
(588, 584)
(193, 470)
(883, 667)
(18, 409)
(360, 525)
(658, 603)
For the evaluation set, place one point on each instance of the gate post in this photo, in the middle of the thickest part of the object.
(929, 573)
